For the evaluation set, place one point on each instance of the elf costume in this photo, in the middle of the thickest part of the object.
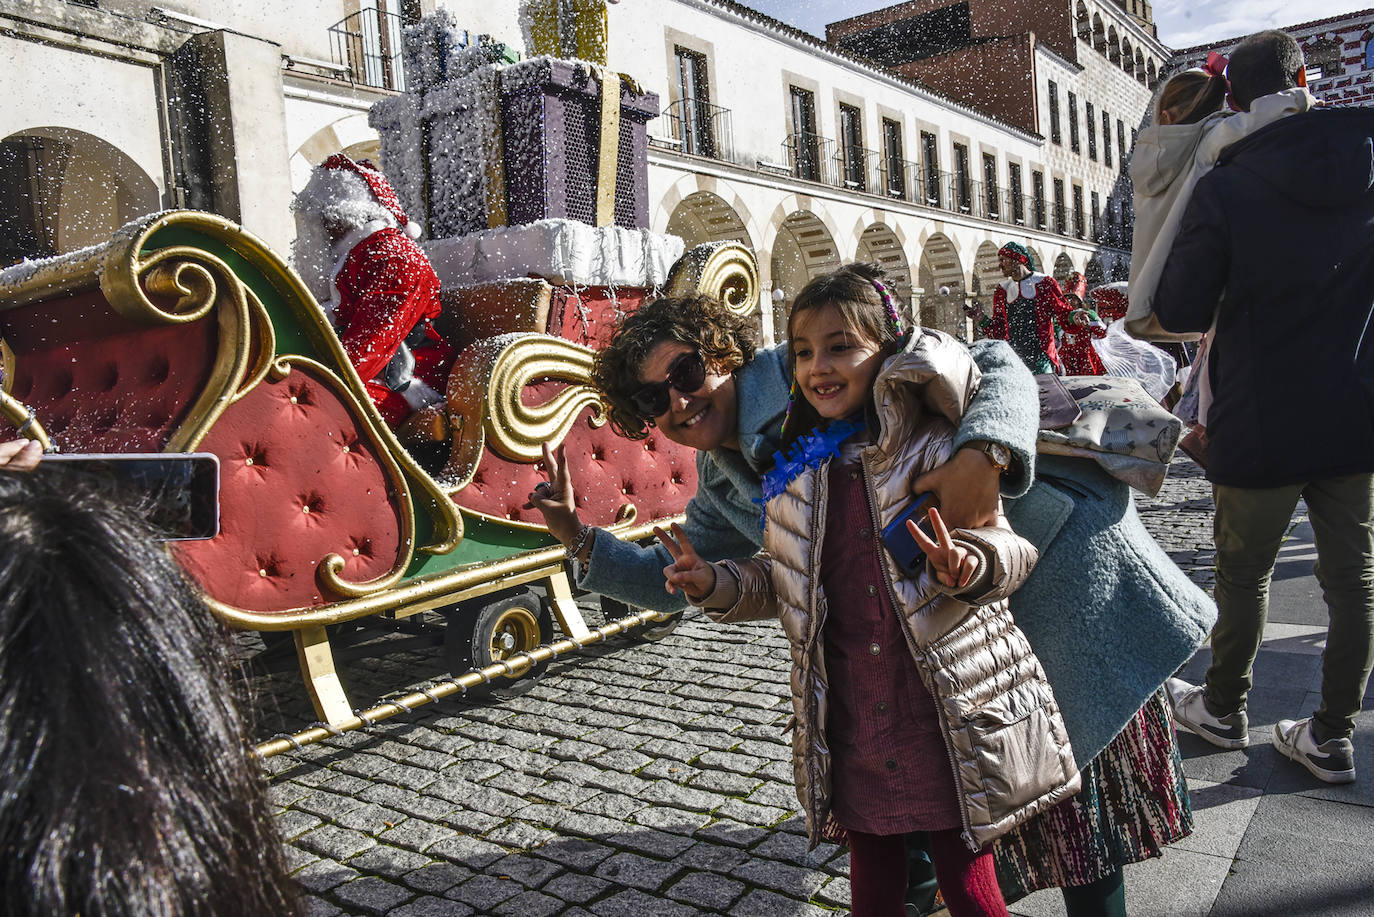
(1076, 351)
(356, 249)
(1024, 312)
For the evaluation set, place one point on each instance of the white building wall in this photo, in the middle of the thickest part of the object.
(65, 88)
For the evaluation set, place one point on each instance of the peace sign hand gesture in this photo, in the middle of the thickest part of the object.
(689, 572)
(555, 499)
(954, 565)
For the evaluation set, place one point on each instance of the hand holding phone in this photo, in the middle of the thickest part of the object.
(906, 553)
(179, 492)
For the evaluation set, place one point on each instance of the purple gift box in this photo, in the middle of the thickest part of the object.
(551, 131)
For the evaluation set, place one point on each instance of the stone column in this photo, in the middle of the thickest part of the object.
(230, 103)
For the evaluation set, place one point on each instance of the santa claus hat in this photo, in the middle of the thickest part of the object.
(353, 194)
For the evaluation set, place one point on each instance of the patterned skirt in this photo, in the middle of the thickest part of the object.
(1133, 804)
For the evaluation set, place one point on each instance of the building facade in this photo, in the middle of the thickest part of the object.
(1339, 51)
(808, 153)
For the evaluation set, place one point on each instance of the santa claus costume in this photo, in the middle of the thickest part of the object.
(356, 250)
(1024, 310)
(1076, 352)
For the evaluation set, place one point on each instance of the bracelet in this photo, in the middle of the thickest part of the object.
(579, 541)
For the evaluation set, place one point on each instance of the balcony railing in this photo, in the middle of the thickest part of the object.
(368, 43)
(855, 165)
(700, 129)
(810, 157)
(900, 179)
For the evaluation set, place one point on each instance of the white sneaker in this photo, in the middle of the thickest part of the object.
(1190, 712)
(1333, 761)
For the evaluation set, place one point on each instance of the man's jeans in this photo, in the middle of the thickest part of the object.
(1249, 528)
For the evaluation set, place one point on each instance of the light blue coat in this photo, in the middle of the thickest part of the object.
(1108, 613)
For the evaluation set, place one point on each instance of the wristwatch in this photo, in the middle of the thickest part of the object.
(998, 454)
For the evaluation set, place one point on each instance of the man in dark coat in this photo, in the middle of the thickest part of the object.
(1278, 244)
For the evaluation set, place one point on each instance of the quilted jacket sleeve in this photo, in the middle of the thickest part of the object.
(1005, 560)
(754, 599)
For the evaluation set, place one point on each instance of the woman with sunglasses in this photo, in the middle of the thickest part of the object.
(689, 367)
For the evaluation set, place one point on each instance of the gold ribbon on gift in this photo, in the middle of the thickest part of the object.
(609, 157)
(569, 28)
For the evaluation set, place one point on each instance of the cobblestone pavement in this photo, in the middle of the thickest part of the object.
(635, 779)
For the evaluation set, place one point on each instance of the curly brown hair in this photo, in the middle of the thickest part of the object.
(726, 342)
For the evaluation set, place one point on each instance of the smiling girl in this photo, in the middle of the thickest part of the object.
(884, 742)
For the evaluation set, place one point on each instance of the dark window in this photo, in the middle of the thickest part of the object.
(930, 165)
(990, 184)
(1127, 223)
(1018, 212)
(855, 157)
(805, 148)
(27, 228)
(695, 106)
(1106, 139)
(1061, 223)
(1073, 122)
(1091, 124)
(1078, 229)
(894, 164)
(1121, 142)
(962, 189)
(1097, 216)
(1055, 135)
(1038, 198)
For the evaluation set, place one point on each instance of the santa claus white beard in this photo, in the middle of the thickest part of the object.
(313, 256)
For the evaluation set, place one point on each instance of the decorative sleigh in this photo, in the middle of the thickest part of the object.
(185, 332)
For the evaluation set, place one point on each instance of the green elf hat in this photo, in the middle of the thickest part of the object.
(1018, 252)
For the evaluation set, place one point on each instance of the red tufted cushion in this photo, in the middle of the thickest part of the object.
(656, 475)
(101, 383)
(588, 316)
(298, 481)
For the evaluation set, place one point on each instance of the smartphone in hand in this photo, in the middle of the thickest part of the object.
(906, 554)
(178, 492)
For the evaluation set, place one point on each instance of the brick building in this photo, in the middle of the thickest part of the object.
(1339, 52)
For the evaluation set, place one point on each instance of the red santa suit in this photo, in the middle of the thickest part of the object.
(1023, 315)
(382, 291)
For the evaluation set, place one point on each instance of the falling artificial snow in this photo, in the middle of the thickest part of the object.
(443, 144)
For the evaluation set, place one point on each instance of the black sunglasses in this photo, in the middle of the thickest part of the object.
(687, 374)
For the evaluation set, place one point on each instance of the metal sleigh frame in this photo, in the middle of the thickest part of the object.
(185, 266)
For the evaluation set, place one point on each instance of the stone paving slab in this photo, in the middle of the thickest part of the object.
(1302, 856)
(655, 779)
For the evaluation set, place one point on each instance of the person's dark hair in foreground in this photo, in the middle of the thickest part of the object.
(127, 784)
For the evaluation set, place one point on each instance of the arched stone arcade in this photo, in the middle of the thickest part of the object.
(879, 244)
(703, 216)
(64, 189)
(803, 248)
(941, 278)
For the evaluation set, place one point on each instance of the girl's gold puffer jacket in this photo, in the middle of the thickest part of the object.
(1006, 740)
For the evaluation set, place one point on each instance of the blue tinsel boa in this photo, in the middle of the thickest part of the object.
(809, 451)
